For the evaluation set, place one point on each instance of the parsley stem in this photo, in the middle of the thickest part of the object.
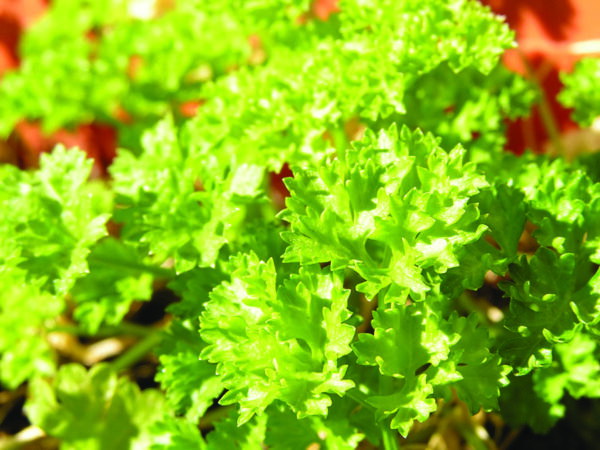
(359, 397)
(137, 352)
(340, 140)
(390, 437)
(124, 328)
(141, 267)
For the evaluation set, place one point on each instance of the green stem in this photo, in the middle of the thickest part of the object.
(389, 436)
(359, 397)
(140, 267)
(137, 352)
(124, 328)
(340, 140)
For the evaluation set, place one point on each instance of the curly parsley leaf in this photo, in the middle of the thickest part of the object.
(191, 385)
(94, 409)
(581, 91)
(278, 342)
(393, 208)
(176, 433)
(546, 310)
(285, 431)
(574, 369)
(25, 312)
(472, 370)
(229, 433)
(50, 220)
(188, 210)
(105, 294)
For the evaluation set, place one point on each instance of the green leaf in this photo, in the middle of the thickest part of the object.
(393, 207)
(560, 205)
(190, 385)
(579, 368)
(278, 342)
(285, 431)
(414, 330)
(536, 399)
(505, 217)
(59, 83)
(470, 110)
(405, 402)
(228, 433)
(187, 210)
(547, 307)
(25, 311)
(406, 340)
(471, 369)
(580, 91)
(432, 35)
(521, 403)
(50, 221)
(93, 410)
(105, 295)
(175, 433)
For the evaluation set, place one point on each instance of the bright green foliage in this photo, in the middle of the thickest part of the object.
(278, 429)
(468, 111)
(105, 295)
(189, 208)
(432, 34)
(74, 74)
(405, 401)
(394, 209)
(49, 221)
(471, 368)
(505, 217)
(345, 317)
(581, 91)
(228, 434)
(362, 65)
(336, 431)
(422, 343)
(87, 73)
(547, 310)
(191, 384)
(411, 327)
(521, 404)
(174, 434)
(24, 311)
(423, 354)
(575, 370)
(94, 410)
(278, 342)
(562, 202)
(503, 212)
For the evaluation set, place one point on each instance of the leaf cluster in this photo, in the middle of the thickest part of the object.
(347, 316)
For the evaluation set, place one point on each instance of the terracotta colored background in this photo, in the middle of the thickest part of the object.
(552, 36)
